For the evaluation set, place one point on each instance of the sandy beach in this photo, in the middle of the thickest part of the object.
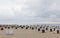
(28, 33)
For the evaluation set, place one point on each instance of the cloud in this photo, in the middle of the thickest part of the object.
(29, 10)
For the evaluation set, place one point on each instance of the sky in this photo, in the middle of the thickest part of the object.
(22, 11)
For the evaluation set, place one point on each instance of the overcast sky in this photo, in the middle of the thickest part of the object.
(17, 11)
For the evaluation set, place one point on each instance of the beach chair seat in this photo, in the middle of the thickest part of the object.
(38, 29)
(2, 29)
(43, 31)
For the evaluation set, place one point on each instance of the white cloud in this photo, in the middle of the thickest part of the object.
(52, 7)
(29, 10)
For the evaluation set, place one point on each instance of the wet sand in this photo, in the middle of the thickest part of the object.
(28, 33)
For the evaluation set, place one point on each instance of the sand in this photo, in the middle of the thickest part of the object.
(23, 33)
